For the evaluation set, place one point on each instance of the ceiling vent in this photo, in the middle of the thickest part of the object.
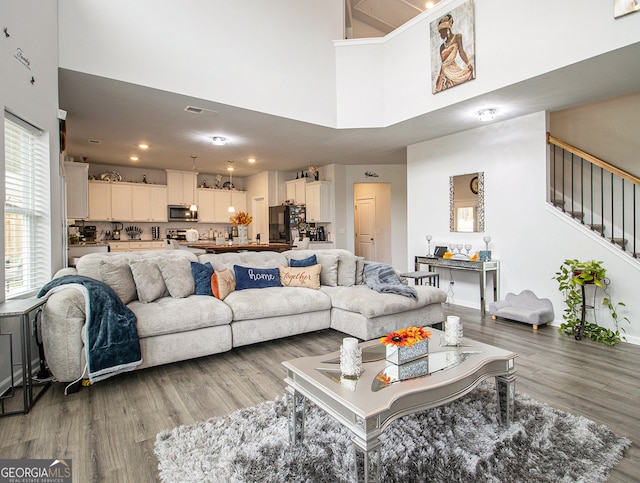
(94, 141)
(199, 110)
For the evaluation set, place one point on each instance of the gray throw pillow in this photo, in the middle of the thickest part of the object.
(149, 282)
(117, 275)
(177, 276)
(360, 271)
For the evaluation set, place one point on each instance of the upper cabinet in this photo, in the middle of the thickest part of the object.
(77, 189)
(222, 200)
(181, 187)
(296, 190)
(318, 200)
(127, 202)
(149, 203)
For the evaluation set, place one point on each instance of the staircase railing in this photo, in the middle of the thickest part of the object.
(595, 193)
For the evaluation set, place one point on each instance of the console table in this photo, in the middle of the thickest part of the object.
(491, 266)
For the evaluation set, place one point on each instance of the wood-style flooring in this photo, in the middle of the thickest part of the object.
(109, 429)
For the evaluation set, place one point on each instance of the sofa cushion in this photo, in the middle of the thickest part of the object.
(334, 272)
(177, 276)
(306, 276)
(149, 282)
(305, 262)
(275, 301)
(222, 283)
(117, 275)
(202, 273)
(167, 315)
(360, 271)
(370, 303)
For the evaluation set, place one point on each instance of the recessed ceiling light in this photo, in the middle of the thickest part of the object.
(134, 158)
(428, 5)
(143, 146)
(251, 160)
(219, 140)
(487, 115)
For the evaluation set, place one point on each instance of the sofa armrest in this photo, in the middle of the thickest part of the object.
(63, 326)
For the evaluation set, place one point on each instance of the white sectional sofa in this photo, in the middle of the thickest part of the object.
(184, 325)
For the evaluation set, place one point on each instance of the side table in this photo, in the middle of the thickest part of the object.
(21, 308)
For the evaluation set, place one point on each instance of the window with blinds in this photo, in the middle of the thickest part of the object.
(27, 231)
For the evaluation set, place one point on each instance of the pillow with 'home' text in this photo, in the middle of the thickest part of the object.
(252, 277)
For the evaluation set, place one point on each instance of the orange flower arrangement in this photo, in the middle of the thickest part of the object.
(447, 255)
(405, 337)
(241, 218)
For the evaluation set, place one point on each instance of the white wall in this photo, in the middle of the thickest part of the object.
(32, 28)
(604, 129)
(384, 81)
(529, 238)
(265, 56)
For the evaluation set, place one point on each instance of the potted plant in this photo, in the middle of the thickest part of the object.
(572, 277)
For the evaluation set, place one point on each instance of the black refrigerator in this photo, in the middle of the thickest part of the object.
(283, 219)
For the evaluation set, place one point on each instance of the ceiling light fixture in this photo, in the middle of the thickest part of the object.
(251, 160)
(134, 158)
(143, 146)
(218, 140)
(231, 209)
(487, 115)
(193, 208)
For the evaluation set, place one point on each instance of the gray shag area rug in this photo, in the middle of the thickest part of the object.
(462, 441)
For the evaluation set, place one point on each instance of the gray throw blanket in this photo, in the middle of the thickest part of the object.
(382, 278)
(112, 342)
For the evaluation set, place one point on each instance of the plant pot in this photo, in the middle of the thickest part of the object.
(243, 235)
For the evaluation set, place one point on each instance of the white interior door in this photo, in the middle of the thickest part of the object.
(365, 222)
(260, 220)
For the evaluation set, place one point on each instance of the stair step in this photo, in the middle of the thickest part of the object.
(597, 228)
(578, 215)
(621, 242)
(558, 203)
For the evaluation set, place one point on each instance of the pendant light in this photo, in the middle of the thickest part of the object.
(193, 208)
(231, 209)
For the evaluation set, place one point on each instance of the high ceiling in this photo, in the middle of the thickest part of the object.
(107, 118)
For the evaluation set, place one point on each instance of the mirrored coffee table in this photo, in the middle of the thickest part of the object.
(385, 392)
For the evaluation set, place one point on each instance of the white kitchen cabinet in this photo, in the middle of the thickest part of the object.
(296, 190)
(149, 203)
(181, 187)
(121, 202)
(100, 201)
(318, 196)
(206, 206)
(76, 177)
(222, 198)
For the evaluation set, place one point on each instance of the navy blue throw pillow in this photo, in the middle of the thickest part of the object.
(202, 276)
(305, 262)
(248, 277)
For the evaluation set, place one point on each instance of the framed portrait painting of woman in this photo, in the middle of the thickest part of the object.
(453, 48)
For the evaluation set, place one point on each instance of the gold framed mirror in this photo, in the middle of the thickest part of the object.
(466, 203)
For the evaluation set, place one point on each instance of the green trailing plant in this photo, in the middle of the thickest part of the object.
(571, 277)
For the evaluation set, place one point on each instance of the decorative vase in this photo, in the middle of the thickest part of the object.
(243, 238)
(402, 354)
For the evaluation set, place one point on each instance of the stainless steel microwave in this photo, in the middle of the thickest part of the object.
(181, 213)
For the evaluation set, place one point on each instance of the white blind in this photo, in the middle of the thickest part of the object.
(27, 231)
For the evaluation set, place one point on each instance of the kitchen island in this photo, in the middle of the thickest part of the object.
(255, 247)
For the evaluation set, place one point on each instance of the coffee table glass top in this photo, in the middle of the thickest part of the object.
(392, 373)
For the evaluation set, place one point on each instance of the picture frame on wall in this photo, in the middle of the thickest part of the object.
(625, 7)
(452, 43)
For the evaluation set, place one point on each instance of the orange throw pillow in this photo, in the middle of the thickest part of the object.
(222, 283)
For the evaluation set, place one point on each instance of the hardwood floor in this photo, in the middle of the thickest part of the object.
(109, 430)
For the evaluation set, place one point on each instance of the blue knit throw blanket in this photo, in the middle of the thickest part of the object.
(382, 278)
(112, 342)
